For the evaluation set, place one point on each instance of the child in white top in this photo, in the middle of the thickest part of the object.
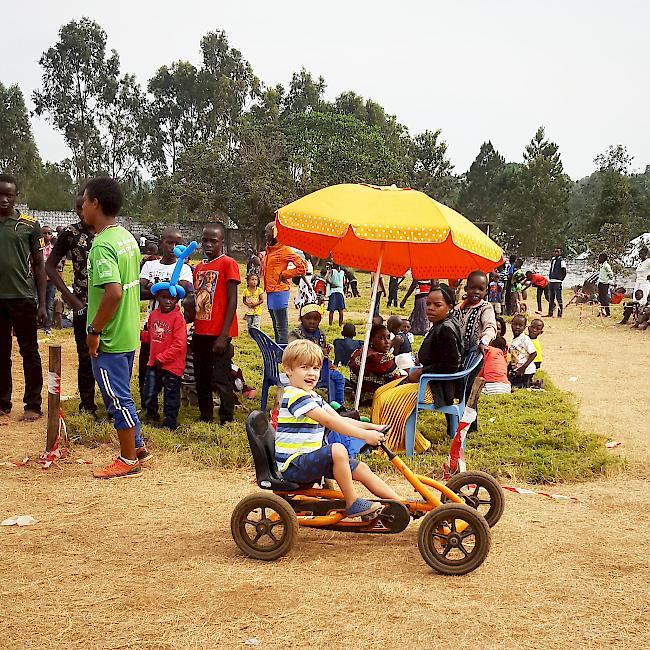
(522, 354)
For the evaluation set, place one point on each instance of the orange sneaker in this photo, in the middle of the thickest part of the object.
(118, 469)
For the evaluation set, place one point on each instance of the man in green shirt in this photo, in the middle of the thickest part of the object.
(114, 319)
(21, 251)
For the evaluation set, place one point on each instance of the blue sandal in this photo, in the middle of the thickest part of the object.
(362, 508)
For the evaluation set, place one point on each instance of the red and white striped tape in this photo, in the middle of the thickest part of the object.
(612, 444)
(57, 452)
(548, 495)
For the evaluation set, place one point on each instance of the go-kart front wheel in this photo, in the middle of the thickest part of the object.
(454, 539)
(264, 526)
(480, 491)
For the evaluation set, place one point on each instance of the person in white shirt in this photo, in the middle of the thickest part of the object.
(161, 271)
(605, 278)
(643, 273)
(522, 354)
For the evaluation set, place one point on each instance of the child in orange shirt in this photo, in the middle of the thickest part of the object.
(495, 368)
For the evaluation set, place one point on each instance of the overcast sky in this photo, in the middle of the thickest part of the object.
(479, 70)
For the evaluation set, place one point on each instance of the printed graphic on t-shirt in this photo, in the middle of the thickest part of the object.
(206, 285)
(160, 330)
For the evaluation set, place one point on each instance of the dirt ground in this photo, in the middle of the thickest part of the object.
(150, 563)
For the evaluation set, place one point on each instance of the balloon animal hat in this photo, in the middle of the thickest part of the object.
(175, 289)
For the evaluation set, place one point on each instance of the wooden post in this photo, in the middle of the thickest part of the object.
(53, 395)
(475, 393)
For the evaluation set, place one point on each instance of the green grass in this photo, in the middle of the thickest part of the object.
(534, 436)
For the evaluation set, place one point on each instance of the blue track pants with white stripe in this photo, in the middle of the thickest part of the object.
(112, 371)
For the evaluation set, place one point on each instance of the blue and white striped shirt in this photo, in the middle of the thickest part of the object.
(296, 433)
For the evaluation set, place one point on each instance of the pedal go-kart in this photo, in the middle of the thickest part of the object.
(453, 538)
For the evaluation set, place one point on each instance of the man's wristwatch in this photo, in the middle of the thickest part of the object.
(91, 330)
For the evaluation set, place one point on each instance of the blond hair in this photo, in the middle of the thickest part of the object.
(302, 351)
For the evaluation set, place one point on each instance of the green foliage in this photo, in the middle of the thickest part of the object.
(613, 203)
(432, 170)
(202, 183)
(18, 152)
(534, 436)
(612, 238)
(536, 208)
(83, 96)
(325, 149)
(217, 141)
(52, 188)
(482, 192)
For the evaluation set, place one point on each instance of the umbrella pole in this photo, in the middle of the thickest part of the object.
(366, 341)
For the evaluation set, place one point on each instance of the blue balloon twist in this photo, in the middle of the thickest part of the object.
(175, 289)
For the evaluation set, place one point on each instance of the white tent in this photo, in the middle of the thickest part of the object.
(631, 258)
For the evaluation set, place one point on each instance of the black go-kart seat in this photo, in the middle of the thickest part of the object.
(261, 438)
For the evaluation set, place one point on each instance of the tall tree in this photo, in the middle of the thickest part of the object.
(121, 117)
(76, 74)
(325, 149)
(52, 189)
(202, 183)
(614, 200)
(262, 175)
(481, 195)
(537, 209)
(18, 152)
(640, 203)
(432, 170)
(231, 84)
(305, 94)
(177, 116)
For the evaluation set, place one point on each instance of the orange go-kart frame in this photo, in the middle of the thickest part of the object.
(416, 508)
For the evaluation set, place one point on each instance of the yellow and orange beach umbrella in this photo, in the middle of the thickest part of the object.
(386, 230)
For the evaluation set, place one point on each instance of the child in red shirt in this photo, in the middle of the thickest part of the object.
(495, 368)
(215, 324)
(166, 335)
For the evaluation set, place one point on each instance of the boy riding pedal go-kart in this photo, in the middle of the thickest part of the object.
(454, 537)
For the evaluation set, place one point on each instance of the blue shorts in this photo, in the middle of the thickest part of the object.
(112, 372)
(313, 466)
(336, 302)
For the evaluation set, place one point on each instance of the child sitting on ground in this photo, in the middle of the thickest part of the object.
(495, 368)
(166, 335)
(344, 347)
(617, 296)
(643, 316)
(380, 364)
(310, 318)
(302, 419)
(253, 298)
(400, 345)
(631, 309)
(406, 329)
(522, 354)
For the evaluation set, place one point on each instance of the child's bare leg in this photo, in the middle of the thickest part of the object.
(342, 472)
(340, 317)
(372, 482)
(331, 317)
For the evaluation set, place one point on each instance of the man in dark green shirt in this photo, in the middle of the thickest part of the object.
(21, 251)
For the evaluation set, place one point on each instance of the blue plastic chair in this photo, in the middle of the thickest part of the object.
(272, 358)
(471, 362)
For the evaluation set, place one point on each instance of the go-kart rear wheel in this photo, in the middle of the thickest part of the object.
(479, 491)
(450, 548)
(264, 526)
